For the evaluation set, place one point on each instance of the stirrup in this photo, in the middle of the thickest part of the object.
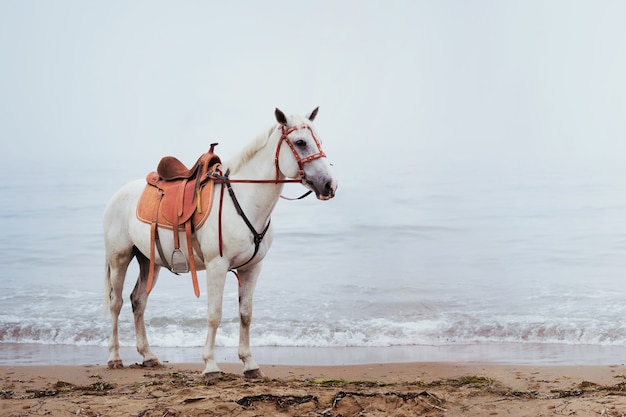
(179, 262)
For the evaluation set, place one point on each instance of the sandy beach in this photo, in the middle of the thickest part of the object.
(390, 389)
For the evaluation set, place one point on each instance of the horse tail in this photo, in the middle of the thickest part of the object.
(107, 291)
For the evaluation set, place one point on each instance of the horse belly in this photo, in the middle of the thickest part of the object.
(140, 233)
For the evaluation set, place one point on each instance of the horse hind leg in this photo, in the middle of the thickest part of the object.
(139, 300)
(116, 266)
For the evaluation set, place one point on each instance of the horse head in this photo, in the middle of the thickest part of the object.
(302, 156)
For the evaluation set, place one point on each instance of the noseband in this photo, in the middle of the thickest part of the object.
(301, 161)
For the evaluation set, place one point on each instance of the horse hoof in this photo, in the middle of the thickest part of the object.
(117, 364)
(254, 374)
(213, 375)
(151, 363)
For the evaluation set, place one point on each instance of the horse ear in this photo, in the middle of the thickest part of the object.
(314, 113)
(280, 117)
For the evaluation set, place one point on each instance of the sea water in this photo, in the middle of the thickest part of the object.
(400, 263)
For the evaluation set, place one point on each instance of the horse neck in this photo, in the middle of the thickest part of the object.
(258, 200)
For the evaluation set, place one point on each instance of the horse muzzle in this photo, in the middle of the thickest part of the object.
(324, 190)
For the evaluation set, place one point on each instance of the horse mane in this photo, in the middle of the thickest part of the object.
(248, 152)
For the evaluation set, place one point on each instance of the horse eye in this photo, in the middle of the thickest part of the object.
(300, 142)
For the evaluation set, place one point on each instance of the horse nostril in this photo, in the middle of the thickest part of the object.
(329, 191)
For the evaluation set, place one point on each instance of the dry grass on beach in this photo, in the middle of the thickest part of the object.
(364, 390)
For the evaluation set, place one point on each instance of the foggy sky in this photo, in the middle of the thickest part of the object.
(429, 87)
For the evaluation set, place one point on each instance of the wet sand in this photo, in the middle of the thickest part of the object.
(383, 389)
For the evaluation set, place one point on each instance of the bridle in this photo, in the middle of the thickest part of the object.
(285, 131)
(301, 161)
(224, 179)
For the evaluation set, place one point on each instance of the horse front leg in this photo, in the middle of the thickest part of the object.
(248, 279)
(216, 279)
(139, 300)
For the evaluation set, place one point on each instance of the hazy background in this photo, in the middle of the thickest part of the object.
(435, 89)
(479, 148)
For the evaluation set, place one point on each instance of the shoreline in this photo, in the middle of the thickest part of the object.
(18, 354)
(473, 380)
(384, 373)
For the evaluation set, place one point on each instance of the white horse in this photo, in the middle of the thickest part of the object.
(290, 149)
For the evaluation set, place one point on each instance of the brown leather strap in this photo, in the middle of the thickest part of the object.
(219, 220)
(192, 261)
(153, 227)
(179, 212)
(179, 198)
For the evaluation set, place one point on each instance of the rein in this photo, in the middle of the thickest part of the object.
(267, 182)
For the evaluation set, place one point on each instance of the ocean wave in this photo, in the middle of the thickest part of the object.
(378, 332)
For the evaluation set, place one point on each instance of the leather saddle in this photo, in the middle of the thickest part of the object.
(180, 199)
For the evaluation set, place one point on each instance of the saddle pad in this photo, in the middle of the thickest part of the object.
(157, 202)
